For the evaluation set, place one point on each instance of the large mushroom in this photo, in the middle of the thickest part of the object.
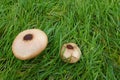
(29, 43)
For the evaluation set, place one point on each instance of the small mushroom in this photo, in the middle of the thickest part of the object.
(70, 53)
(29, 43)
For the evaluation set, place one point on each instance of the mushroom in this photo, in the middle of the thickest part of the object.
(29, 43)
(70, 53)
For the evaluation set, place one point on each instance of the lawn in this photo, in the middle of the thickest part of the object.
(94, 25)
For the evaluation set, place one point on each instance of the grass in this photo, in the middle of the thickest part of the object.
(93, 25)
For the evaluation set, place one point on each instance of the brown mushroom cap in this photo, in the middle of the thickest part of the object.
(29, 43)
(70, 52)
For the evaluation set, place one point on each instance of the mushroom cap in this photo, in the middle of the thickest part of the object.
(29, 43)
(70, 52)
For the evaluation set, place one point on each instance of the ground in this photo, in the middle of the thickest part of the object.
(94, 25)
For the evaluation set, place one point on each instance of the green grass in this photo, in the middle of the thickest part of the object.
(92, 24)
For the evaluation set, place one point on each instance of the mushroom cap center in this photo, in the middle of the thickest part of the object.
(70, 46)
(28, 37)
